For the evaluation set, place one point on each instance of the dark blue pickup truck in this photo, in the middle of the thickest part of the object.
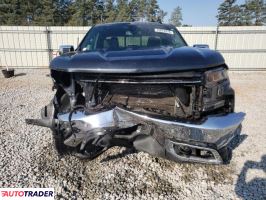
(139, 85)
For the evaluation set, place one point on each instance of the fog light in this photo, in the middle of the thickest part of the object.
(183, 150)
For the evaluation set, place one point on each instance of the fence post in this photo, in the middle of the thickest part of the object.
(77, 41)
(49, 45)
(216, 38)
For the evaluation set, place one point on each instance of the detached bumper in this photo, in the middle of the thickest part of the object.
(163, 137)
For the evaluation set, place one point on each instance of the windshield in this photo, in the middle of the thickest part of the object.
(119, 37)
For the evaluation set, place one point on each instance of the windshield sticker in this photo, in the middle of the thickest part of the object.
(158, 30)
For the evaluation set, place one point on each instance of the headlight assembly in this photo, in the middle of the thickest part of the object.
(217, 75)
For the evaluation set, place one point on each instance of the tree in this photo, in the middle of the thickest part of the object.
(82, 13)
(137, 10)
(250, 13)
(161, 16)
(32, 12)
(62, 12)
(109, 11)
(264, 14)
(176, 17)
(3, 13)
(77, 12)
(142, 11)
(46, 16)
(11, 12)
(97, 11)
(152, 10)
(226, 13)
(239, 16)
(30, 9)
(123, 11)
(245, 16)
(45, 12)
(256, 9)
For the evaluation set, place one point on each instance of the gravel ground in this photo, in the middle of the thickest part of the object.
(28, 159)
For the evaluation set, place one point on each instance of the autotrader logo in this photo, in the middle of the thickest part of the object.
(27, 193)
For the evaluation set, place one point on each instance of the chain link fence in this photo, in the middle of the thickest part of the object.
(244, 48)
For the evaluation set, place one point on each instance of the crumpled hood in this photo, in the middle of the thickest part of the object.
(138, 61)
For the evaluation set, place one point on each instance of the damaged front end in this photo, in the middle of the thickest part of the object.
(182, 116)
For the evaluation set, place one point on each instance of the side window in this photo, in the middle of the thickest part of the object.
(133, 41)
(177, 41)
(106, 43)
(111, 43)
(121, 41)
(90, 43)
(145, 40)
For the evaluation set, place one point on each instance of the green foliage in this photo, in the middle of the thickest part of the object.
(11, 12)
(122, 11)
(161, 16)
(110, 11)
(32, 9)
(47, 13)
(82, 13)
(264, 14)
(152, 10)
(245, 18)
(176, 17)
(77, 12)
(227, 13)
(256, 11)
(250, 13)
(137, 10)
(62, 13)
(32, 12)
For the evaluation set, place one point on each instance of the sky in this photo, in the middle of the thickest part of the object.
(195, 12)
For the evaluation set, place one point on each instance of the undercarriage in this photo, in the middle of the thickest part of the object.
(178, 116)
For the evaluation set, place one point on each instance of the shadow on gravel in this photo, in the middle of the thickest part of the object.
(124, 153)
(235, 142)
(20, 74)
(256, 188)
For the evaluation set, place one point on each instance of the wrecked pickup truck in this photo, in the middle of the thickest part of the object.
(139, 85)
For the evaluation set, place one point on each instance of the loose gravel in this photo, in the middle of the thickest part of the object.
(28, 158)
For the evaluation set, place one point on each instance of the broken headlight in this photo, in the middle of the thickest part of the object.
(215, 76)
(216, 86)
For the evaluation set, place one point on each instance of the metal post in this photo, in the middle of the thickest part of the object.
(49, 45)
(216, 38)
(77, 41)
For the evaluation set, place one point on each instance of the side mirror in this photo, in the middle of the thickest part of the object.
(204, 46)
(65, 49)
